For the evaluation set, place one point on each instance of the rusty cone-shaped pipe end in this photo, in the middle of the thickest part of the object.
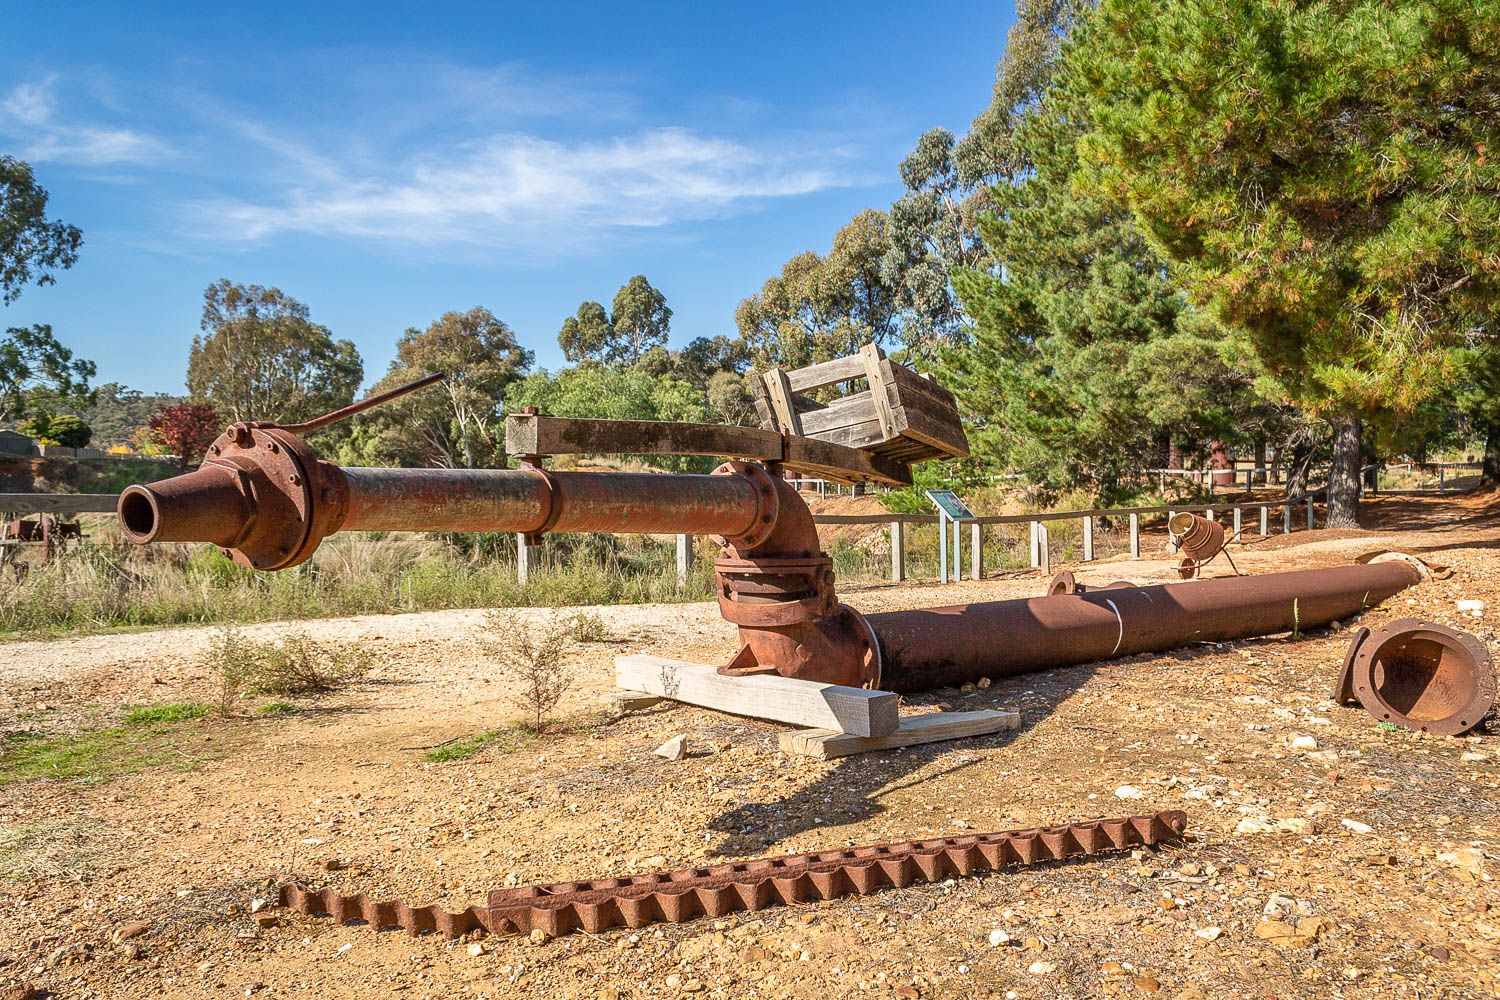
(1423, 676)
(205, 505)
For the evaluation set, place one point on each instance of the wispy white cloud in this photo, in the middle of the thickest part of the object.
(29, 116)
(516, 188)
(412, 152)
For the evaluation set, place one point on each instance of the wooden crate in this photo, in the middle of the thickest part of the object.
(901, 416)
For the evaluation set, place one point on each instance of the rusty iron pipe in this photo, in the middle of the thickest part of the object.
(268, 501)
(947, 647)
(525, 500)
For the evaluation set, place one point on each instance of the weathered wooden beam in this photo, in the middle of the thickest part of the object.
(536, 434)
(913, 730)
(58, 503)
(762, 696)
(844, 465)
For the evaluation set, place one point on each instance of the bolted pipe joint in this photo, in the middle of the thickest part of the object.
(261, 496)
(777, 586)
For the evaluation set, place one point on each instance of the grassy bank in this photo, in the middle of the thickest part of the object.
(106, 584)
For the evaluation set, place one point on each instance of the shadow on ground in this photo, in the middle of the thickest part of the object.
(851, 789)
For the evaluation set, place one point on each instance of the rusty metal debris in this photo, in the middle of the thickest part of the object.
(674, 897)
(1420, 675)
(1198, 539)
(1065, 582)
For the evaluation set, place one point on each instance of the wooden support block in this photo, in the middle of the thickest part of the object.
(762, 696)
(912, 731)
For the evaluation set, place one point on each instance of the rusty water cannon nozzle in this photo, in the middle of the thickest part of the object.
(261, 494)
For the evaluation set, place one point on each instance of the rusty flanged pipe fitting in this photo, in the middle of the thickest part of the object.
(261, 495)
(1423, 676)
(776, 584)
(1197, 538)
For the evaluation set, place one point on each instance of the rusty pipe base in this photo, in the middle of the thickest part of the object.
(1423, 676)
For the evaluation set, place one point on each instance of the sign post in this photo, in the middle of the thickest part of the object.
(951, 510)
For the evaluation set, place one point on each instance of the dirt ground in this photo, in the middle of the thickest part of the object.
(1402, 903)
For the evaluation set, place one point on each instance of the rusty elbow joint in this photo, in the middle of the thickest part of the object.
(776, 585)
(261, 495)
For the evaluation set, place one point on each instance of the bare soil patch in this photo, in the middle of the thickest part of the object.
(342, 793)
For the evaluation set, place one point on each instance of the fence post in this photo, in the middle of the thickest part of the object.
(1237, 521)
(976, 551)
(527, 557)
(1036, 536)
(958, 559)
(1044, 550)
(1265, 517)
(1286, 519)
(684, 557)
(1442, 478)
(1311, 520)
(1171, 542)
(942, 549)
(898, 551)
(1209, 513)
(1088, 538)
(1135, 536)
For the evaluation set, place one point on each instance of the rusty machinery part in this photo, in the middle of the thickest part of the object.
(777, 586)
(1343, 688)
(768, 497)
(1064, 583)
(1424, 676)
(675, 897)
(947, 647)
(1197, 538)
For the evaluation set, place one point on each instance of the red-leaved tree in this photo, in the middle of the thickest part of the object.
(186, 429)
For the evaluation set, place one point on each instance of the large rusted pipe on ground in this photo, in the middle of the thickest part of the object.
(947, 647)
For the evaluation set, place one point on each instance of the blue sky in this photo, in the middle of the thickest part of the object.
(384, 163)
